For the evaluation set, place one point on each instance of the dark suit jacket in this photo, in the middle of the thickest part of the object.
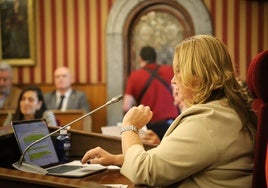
(77, 100)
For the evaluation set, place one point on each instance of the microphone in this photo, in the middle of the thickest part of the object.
(23, 166)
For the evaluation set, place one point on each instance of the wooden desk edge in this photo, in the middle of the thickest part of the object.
(15, 176)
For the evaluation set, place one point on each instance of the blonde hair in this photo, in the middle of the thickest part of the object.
(206, 69)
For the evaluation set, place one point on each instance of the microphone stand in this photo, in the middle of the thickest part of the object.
(23, 166)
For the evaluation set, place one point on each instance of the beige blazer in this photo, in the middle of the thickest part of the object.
(205, 146)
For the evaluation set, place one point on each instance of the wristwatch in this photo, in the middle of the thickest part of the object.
(130, 128)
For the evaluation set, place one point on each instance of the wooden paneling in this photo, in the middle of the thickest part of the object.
(68, 116)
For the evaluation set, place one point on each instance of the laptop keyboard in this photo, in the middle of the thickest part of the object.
(63, 169)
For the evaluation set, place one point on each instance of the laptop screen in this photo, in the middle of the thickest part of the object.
(43, 153)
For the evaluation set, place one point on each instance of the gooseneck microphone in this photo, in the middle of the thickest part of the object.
(23, 166)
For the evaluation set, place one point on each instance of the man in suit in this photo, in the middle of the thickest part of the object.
(64, 97)
(9, 94)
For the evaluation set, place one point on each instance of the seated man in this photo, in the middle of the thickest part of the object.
(64, 97)
(9, 94)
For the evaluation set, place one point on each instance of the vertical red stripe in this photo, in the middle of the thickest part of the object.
(32, 75)
(110, 3)
(76, 41)
(88, 49)
(248, 33)
(65, 33)
(260, 27)
(20, 75)
(213, 11)
(42, 41)
(236, 35)
(99, 43)
(224, 21)
(53, 35)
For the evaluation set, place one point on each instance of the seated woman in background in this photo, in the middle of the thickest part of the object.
(31, 105)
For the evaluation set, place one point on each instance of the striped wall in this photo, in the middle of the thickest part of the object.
(72, 33)
(243, 26)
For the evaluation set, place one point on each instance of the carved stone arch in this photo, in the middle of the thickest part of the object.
(154, 23)
(117, 44)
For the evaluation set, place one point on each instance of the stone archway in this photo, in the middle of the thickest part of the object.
(114, 44)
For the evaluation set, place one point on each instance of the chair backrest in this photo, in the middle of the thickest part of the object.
(257, 80)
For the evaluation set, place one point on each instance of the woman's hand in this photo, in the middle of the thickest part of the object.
(100, 156)
(138, 116)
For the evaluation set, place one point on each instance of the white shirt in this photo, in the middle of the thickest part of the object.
(65, 100)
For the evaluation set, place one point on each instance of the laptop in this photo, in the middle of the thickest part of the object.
(44, 153)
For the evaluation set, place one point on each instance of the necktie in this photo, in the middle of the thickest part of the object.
(61, 100)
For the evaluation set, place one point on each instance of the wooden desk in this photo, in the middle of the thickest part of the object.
(80, 142)
(15, 178)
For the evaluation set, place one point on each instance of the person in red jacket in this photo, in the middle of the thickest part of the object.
(150, 86)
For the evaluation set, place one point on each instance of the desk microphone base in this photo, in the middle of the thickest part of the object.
(29, 168)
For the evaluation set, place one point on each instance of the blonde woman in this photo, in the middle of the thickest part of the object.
(210, 144)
